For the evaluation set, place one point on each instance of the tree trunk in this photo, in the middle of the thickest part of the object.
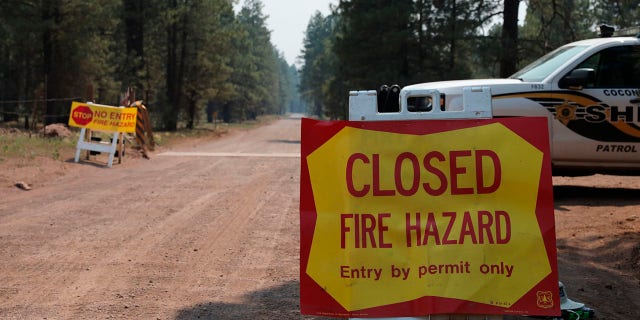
(452, 42)
(134, 38)
(50, 13)
(509, 38)
(191, 113)
(170, 120)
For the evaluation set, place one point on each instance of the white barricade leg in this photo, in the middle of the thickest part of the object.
(114, 146)
(83, 131)
(99, 147)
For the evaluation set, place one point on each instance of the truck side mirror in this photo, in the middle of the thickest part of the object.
(578, 78)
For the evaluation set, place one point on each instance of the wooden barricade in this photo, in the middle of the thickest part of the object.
(143, 129)
(144, 133)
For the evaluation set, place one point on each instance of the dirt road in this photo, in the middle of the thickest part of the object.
(210, 231)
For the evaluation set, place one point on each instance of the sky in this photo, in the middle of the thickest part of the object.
(288, 19)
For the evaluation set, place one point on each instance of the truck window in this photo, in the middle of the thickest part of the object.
(547, 64)
(615, 67)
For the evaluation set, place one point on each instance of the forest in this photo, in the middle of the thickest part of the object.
(184, 59)
(364, 44)
(190, 59)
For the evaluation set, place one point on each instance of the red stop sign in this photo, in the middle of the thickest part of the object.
(82, 115)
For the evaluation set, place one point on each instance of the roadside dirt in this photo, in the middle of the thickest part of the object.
(215, 235)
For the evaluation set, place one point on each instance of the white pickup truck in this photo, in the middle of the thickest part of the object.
(589, 90)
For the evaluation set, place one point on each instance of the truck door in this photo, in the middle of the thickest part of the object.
(608, 113)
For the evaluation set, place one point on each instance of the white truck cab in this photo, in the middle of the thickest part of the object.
(589, 90)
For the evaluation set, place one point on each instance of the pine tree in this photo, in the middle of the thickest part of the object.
(318, 57)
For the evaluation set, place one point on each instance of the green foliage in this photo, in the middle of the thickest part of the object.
(191, 58)
(445, 35)
(196, 58)
(55, 47)
(283, 96)
(550, 24)
(259, 78)
(319, 67)
(296, 103)
(366, 43)
(377, 34)
(485, 60)
(620, 13)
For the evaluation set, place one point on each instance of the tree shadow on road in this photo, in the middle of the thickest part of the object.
(599, 265)
(285, 141)
(606, 277)
(567, 195)
(581, 270)
(281, 302)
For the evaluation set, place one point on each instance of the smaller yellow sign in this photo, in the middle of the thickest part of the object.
(103, 118)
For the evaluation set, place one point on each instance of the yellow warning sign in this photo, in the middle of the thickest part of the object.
(103, 118)
(450, 214)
